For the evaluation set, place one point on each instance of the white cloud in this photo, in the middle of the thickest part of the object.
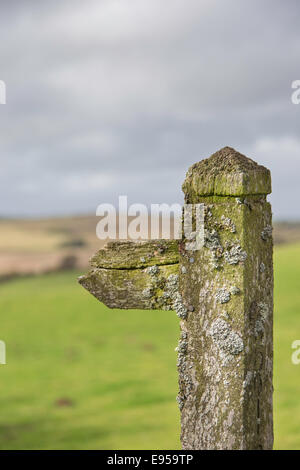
(278, 149)
(88, 182)
(282, 156)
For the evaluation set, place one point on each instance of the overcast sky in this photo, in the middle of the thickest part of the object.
(113, 97)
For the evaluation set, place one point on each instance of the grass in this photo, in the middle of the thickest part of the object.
(81, 376)
(115, 369)
(286, 330)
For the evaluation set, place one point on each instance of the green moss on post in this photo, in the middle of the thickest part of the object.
(140, 254)
(226, 173)
(225, 368)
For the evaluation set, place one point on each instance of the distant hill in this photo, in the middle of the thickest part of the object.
(35, 246)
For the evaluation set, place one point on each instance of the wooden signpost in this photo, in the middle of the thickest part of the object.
(223, 295)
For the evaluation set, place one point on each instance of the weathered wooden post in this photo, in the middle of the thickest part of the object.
(223, 294)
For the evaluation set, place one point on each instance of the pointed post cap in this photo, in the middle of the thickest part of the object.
(226, 173)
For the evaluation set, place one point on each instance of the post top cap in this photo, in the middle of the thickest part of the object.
(226, 173)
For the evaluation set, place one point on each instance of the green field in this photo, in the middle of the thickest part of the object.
(81, 376)
(286, 330)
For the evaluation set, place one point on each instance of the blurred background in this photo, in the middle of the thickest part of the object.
(120, 97)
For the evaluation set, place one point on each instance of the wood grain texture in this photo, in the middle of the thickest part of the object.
(134, 274)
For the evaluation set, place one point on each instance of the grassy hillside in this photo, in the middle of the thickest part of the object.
(81, 376)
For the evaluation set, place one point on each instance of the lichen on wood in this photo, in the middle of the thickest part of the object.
(226, 173)
(227, 403)
(135, 275)
(139, 254)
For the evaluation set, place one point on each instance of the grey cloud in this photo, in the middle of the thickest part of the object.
(131, 93)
